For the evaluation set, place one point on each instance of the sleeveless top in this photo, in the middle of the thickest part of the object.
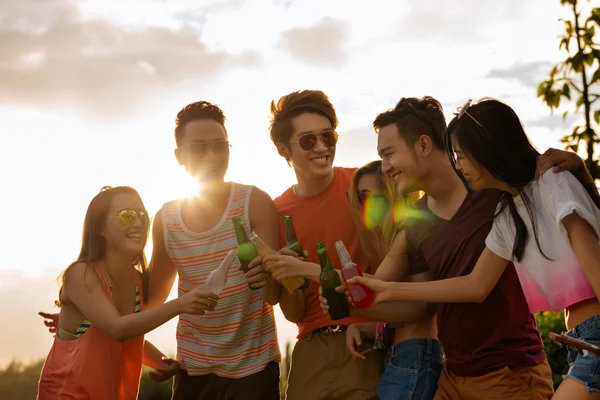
(238, 338)
(94, 366)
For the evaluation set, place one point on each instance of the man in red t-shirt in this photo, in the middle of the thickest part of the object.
(303, 130)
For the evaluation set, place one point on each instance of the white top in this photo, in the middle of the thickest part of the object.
(559, 282)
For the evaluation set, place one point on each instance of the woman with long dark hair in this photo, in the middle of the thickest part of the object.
(99, 347)
(415, 357)
(548, 227)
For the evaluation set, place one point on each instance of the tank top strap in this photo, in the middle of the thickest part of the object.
(100, 273)
(239, 206)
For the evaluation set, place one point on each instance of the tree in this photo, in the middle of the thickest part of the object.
(574, 75)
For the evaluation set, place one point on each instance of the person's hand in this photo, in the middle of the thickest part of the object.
(379, 288)
(197, 301)
(257, 276)
(323, 303)
(171, 368)
(558, 160)
(284, 251)
(50, 320)
(354, 341)
(285, 267)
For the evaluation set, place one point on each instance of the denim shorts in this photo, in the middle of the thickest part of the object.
(412, 370)
(585, 366)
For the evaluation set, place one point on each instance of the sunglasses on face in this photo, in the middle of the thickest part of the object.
(127, 217)
(200, 149)
(308, 141)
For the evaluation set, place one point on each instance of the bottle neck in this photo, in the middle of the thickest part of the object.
(324, 260)
(343, 254)
(240, 233)
(290, 232)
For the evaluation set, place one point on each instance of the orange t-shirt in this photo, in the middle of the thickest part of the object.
(325, 217)
(94, 366)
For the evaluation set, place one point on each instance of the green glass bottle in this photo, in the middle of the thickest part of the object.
(338, 306)
(292, 243)
(246, 249)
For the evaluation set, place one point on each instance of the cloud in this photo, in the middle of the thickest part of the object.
(552, 122)
(322, 44)
(529, 75)
(454, 20)
(50, 56)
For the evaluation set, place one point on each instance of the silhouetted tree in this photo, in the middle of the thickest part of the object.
(578, 74)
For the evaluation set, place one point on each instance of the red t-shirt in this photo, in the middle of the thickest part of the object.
(477, 337)
(325, 217)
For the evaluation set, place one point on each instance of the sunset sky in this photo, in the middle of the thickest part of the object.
(89, 91)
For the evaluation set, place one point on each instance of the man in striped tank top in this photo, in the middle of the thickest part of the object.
(230, 353)
(303, 129)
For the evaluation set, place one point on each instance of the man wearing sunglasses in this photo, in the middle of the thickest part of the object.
(303, 130)
(221, 357)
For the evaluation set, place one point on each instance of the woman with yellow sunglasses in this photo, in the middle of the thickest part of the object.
(99, 347)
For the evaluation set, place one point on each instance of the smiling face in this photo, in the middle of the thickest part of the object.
(316, 162)
(399, 161)
(126, 235)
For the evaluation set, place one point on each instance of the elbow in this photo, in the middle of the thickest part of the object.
(480, 295)
(118, 333)
(272, 301)
(293, 316)
(294, 319)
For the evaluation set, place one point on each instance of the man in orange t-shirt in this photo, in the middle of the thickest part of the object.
(303, 129)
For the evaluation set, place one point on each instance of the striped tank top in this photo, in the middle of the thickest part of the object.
(239, 337)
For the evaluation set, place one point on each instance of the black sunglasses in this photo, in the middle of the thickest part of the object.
(200, 149)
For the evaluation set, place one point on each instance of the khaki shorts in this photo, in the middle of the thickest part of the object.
(322, 369)
(526, 383)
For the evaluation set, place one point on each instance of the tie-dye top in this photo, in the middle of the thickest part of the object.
(558, 282)
(238, 338)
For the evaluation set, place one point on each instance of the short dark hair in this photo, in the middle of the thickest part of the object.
(193, 112)
(415, 117)
(296, 103)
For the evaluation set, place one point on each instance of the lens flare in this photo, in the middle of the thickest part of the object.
(376, 207)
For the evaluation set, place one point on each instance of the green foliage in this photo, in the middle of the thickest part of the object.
(557, 356)
(20, 381)
(577, 79)
(285, 371)
(150, 390)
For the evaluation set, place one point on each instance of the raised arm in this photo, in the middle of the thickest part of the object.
(162, 269)
(398, 312)
(472, 288)
(264, 220)
(84, 289)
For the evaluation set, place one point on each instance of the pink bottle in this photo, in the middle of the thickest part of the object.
(362, 296)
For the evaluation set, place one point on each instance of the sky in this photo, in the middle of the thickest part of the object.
(89, 91)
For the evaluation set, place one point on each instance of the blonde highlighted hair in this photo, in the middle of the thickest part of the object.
(376, 242)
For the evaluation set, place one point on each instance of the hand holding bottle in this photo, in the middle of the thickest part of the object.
(379, 288)
(197, 301)
(257, 276)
